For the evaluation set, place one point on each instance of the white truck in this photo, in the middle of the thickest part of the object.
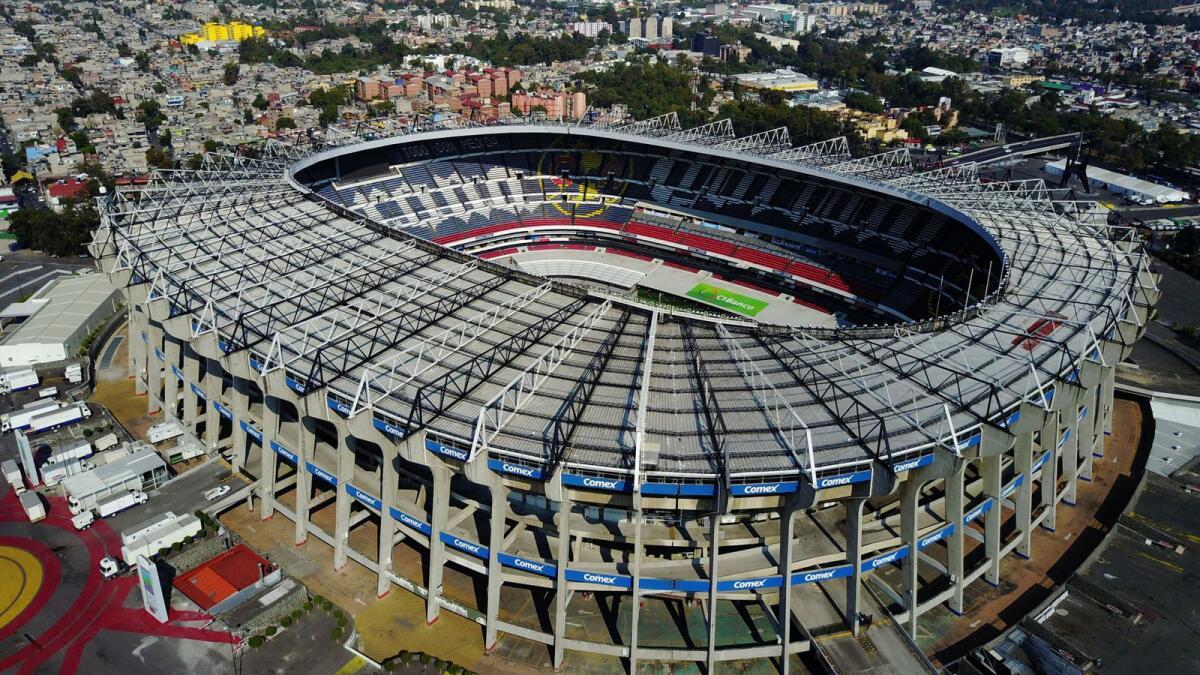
(106, 441)
(19, 419)
(74, 373)
(57, 418)
(117, 503)
(162, 532)
(12, 475)
(82, 521)
(73, 450)
(52, 474)
(34, 508)
(164, 431)
(48, 392)
(18, 379)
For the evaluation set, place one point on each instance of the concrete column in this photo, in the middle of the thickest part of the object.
(1087, 433)
(1049, 482)
(171, 384)
(992, 480)
(389, 479)
(955, 550)
(1104, 425)
(495, 578)
(636, 591)
(714, 555)
(910, 492)
(1070, 453)
(137, 348)
(304, 480)
(440, 511)
(1022, 465)
(154, 369)
(212, 418)
(130, 330)
(783, 617)
(270, 460)
(191, 402)
(854, 512)
(561, 595)
(241, 411)
(342, 501)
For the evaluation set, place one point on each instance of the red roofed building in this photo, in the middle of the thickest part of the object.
(58, 192)
(216, 580)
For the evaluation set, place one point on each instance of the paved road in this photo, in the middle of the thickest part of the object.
(23, 272)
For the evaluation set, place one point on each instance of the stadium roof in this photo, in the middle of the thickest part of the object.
(542, 372)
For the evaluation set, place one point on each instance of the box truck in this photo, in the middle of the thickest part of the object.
(118, 503)
(163, 532)
(57, 418)
(19, 419)
(164, 431)
(48, 392)
(106, 441)
(73, 450)
(74, 373)
(34, 508)
(18, 379)
(12, 475)
(53, 474)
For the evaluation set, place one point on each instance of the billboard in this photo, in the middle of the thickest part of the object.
(152, 591)
(727, 299)
(26, 452)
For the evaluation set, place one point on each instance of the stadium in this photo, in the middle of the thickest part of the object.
(622, 369)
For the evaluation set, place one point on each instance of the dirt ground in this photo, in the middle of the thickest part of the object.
(1056, 555)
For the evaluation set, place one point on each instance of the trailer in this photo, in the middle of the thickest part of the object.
(162, 532)
(57, 418)
(73, 450)
(118, 503)
(48, 392)
(136, 467)
(53, 474)
(18, 379)
(12, 475)
(106, 441)
(74, 373)
(19, 419)
(34, 508)
(164, 431)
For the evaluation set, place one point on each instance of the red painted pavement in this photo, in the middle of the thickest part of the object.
(99, 604)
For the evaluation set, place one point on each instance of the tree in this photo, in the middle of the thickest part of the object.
(150, 114)
(285, 123)
(159, 158)
(231, 74)
(259, 101)
(864, 102)
(142, 59)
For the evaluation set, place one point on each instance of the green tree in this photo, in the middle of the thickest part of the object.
(285, 123)
(259, 101)
(231, 74)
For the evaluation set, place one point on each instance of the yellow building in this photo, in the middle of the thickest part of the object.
(221, 32)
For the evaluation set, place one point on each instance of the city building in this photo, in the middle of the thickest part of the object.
(782, 79)
(56, 320)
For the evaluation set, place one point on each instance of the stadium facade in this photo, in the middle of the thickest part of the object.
(355, 326)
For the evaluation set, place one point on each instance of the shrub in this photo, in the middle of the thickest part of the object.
(87, 433)
(336, 633)
(316, 600)
(389, 666)
(308, 605)
(285, 621)
(296, 614)
(326, 605)
(271, 631)
(338, 614)
(256, 641)
(425, 659)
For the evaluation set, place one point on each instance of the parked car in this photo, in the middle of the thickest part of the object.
(217, 492)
